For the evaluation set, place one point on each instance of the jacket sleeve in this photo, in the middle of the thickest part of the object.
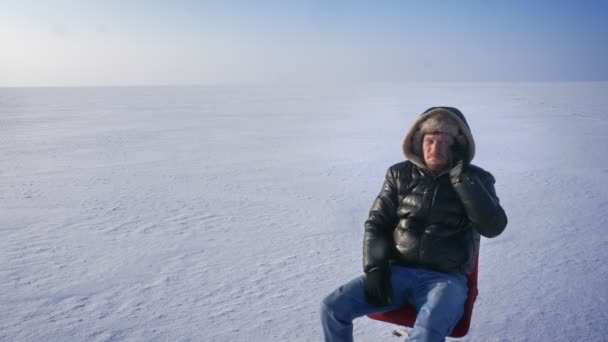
(378, 235)
(478, 196)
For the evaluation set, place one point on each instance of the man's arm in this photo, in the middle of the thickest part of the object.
(377, 243)
(377, 239)
(480, 202)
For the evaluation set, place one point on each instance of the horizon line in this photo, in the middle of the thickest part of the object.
(294, 83)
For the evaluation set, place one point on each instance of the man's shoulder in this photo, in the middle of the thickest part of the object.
(401, 166)
(482, 174)
(400, 172)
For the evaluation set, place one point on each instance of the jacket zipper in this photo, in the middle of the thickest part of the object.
(433, 199)
(429, 215)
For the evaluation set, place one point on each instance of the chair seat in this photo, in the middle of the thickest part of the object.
(406, 315)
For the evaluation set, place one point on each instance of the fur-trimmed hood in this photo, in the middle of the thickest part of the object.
(438, 120)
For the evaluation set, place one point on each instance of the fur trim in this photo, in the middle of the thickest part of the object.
(440, 123)
(438, 120)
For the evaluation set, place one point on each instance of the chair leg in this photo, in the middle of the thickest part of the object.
(401, 333)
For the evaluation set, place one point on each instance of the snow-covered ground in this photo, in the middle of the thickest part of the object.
(227, 213)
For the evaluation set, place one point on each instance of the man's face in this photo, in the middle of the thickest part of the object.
(436, 148)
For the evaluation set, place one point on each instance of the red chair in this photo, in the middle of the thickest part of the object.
(406, 316)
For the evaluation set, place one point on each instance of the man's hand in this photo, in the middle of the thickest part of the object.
(378, 289)
(459, 163)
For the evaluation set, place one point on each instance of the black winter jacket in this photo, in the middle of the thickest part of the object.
(421, 219)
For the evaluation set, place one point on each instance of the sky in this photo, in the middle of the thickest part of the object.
(84, 43)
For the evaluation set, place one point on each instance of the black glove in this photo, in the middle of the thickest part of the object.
(378, 289)
(459, 163)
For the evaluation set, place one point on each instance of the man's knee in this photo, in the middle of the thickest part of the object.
(325, 307)
(332, 312)
(339, 306)
(443, 308)
(331, 304)
(448, 295)
(434, 324)
(440, 318)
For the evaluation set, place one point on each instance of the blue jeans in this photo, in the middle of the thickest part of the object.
(438, 298)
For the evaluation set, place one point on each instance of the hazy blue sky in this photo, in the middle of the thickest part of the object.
(201, 42)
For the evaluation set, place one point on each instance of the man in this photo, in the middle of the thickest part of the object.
(422, 234)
